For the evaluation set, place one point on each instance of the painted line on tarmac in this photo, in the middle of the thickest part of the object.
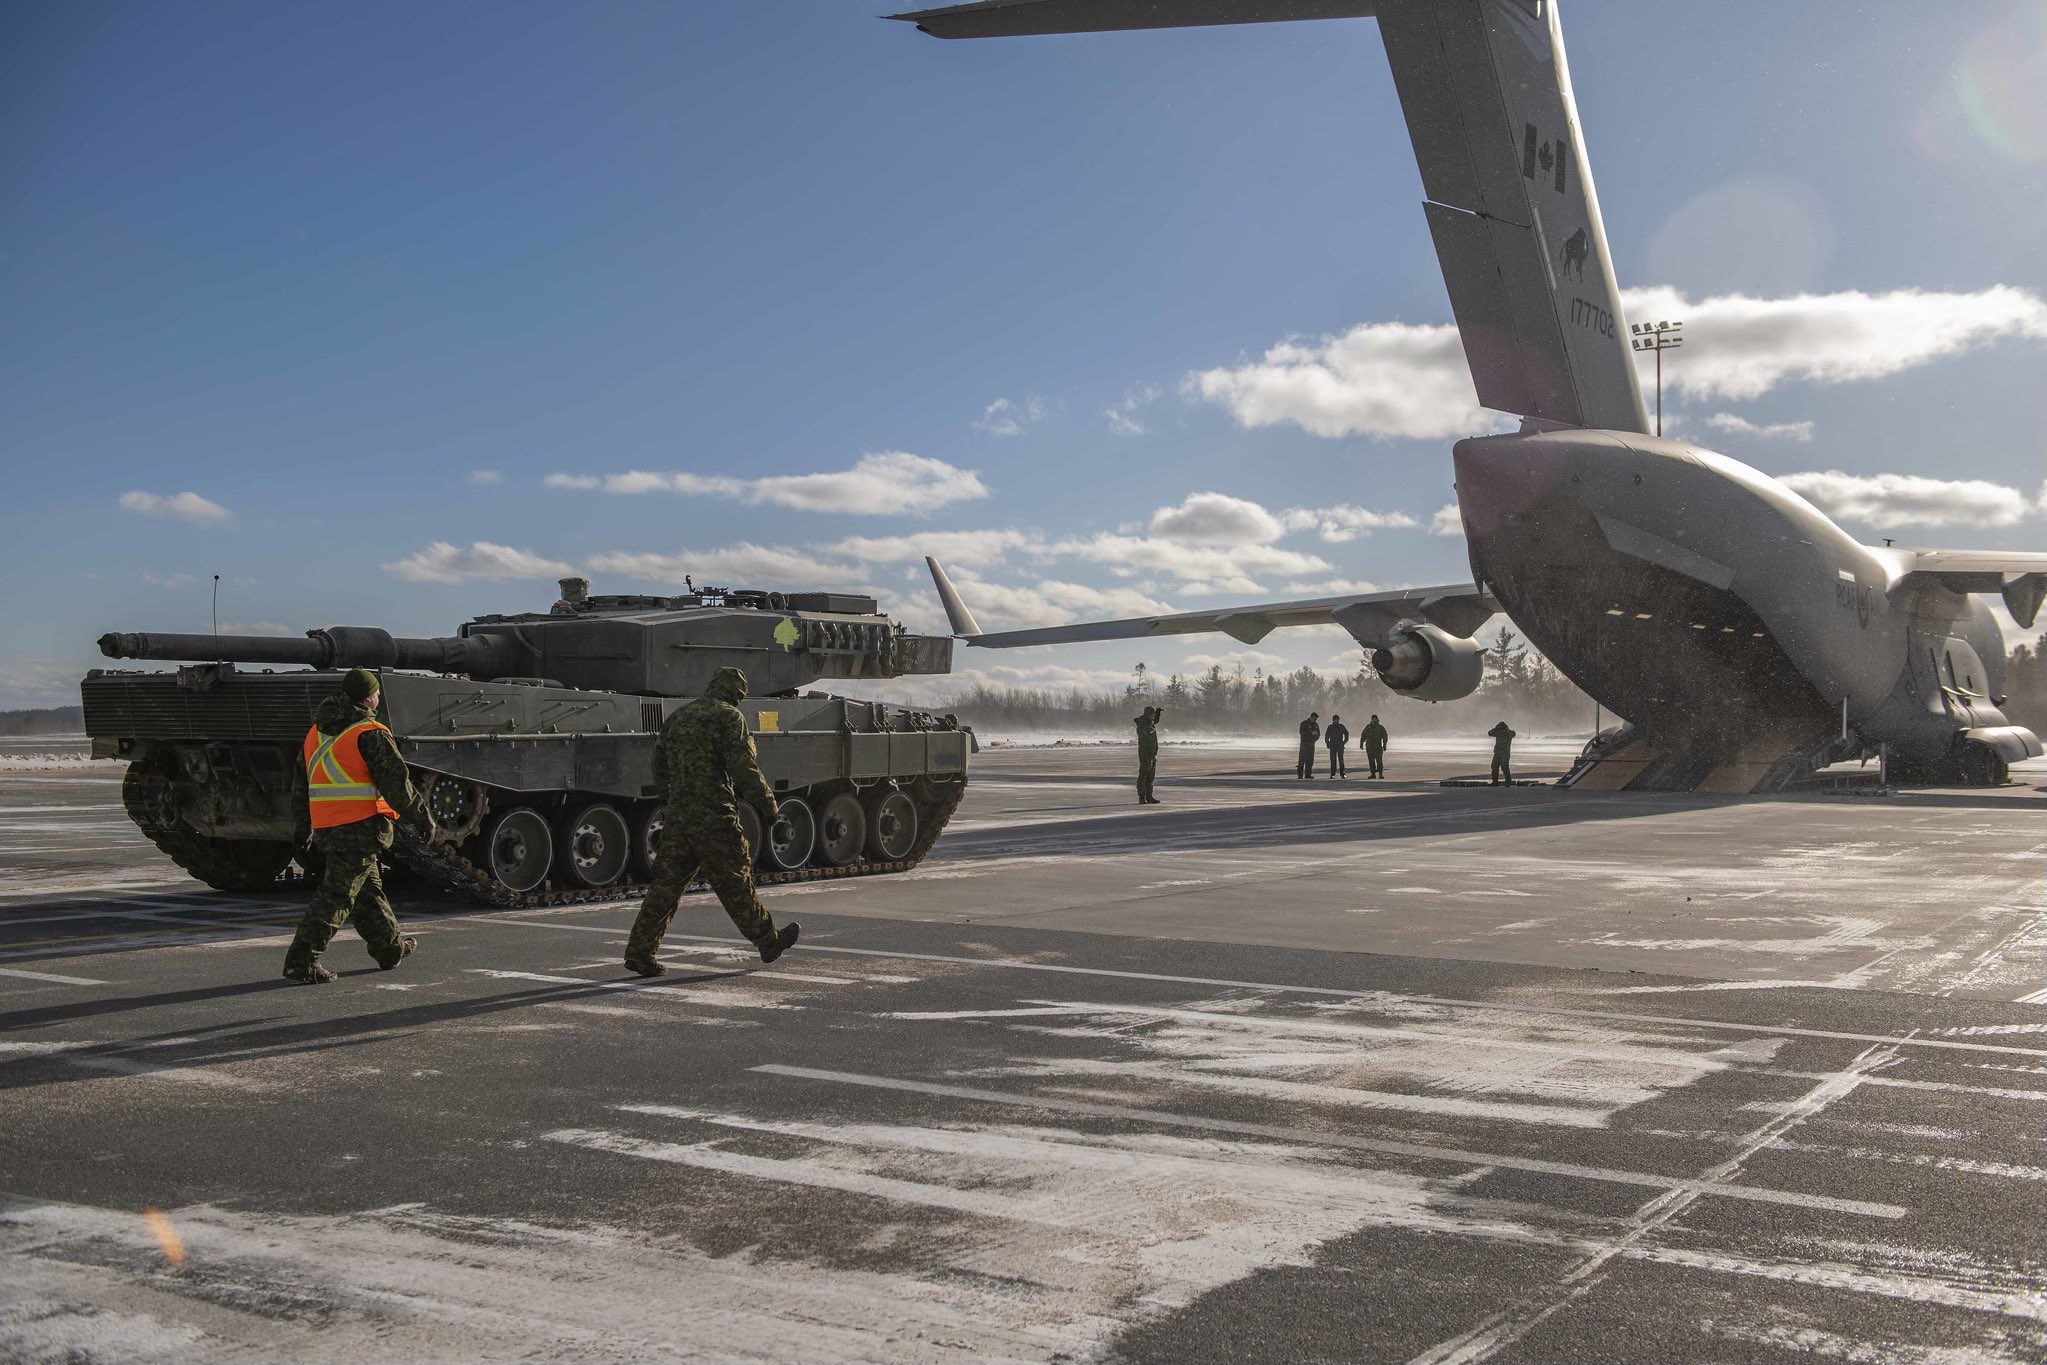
(1394, 997)
(1418, 1151)
(52, 976)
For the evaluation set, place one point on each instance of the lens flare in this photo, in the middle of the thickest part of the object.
(159, 1225)
(1998, 79)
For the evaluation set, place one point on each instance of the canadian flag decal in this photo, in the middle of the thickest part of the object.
(1545, 155)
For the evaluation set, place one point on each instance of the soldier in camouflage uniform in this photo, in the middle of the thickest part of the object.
(351, 882)
(1148, 754)
(704, 763)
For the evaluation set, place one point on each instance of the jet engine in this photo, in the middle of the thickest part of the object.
(1421, 660)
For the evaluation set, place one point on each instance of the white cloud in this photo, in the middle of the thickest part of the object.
(1123, 419)
(1741, 426)
(1007, 417)
(1246, 659)
(1199, 568)
(1447, 521)
(181, 506)
(485, 478)
(743, 565)
(441, 562)
(1740, 347)
(1051, 602)
(967, 548)
(883, 483)
(1216, 519)
(1390, 379)
(1886, 500)
(1380, 379)
(1342, 521)
(1330, 587)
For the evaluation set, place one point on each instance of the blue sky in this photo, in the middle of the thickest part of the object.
(297, 295)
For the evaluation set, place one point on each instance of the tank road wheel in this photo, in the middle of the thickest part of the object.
(519, 849)
(750, 826)
(647, 841)
(891, 826)
(457, 805)
(841, 830)
(595, 846)
(790, 840)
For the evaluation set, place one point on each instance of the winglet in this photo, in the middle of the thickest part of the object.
(963, 626)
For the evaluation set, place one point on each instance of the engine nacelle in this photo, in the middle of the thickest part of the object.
(1430, 663)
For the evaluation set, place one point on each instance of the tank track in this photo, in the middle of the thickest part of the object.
(226, 864)
(445, 868)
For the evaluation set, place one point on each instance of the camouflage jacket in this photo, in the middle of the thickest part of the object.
(705, 762)
(1147, 735)
(379, 754)
(1375, 736)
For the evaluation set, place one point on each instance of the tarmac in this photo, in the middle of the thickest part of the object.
(1276, 1071)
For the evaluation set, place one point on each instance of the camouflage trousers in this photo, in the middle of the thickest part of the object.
(351, 889)
(1147, 773)
(716, 851)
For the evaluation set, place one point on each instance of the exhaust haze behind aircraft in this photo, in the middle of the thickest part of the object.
(1745, 637)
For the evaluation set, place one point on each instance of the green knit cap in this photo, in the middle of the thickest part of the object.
(358, 684)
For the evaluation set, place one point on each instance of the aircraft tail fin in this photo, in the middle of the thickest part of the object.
(962, 620)
(1487, 98)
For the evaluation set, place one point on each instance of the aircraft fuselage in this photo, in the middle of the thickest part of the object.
(1698, 597)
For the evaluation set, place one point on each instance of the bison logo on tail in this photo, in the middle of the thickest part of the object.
(1576, 249)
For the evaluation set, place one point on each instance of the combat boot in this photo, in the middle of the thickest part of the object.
(405, 947)
(644, 966)
(784, 939)
(312, 974)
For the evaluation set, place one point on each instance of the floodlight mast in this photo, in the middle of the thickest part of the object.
(1658, 337)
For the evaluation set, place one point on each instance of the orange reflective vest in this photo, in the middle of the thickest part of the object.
(339, 788)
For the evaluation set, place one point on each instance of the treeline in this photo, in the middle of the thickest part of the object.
(1520, 686)
(2025, 687)
(48, 720)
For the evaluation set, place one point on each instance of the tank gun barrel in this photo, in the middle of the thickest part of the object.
(479, 656)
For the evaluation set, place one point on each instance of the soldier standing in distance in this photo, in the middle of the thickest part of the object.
(1503, 754)
(1335, 737)
(1148, 754)
(1374, 738)
(355, 784)
(1311, 730)
(703, 763)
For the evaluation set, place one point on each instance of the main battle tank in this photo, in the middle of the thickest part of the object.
(532, 738)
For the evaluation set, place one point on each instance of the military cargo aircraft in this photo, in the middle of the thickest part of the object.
(1745, 637)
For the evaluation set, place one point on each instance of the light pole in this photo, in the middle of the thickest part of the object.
(1658, 337)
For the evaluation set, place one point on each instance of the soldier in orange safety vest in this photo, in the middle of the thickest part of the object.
(355, 785)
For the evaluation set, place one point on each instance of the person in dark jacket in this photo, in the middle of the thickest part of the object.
(1334, 738)
(1503, 754)
(357, 786)
(1374, 738)
(1148, 754)
(1311, 730)
(705, 764)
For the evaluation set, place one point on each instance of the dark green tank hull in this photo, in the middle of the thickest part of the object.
(545, 792)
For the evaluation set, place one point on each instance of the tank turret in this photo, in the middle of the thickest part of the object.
(532, 735)
(647, 646)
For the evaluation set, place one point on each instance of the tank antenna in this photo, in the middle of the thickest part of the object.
(216, 606)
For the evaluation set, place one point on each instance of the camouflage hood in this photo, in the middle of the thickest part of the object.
(727, 684)
(337, 713)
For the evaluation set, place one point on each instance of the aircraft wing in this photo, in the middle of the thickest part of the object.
(1487, 98)
(2018, 576)
(1371, 618)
